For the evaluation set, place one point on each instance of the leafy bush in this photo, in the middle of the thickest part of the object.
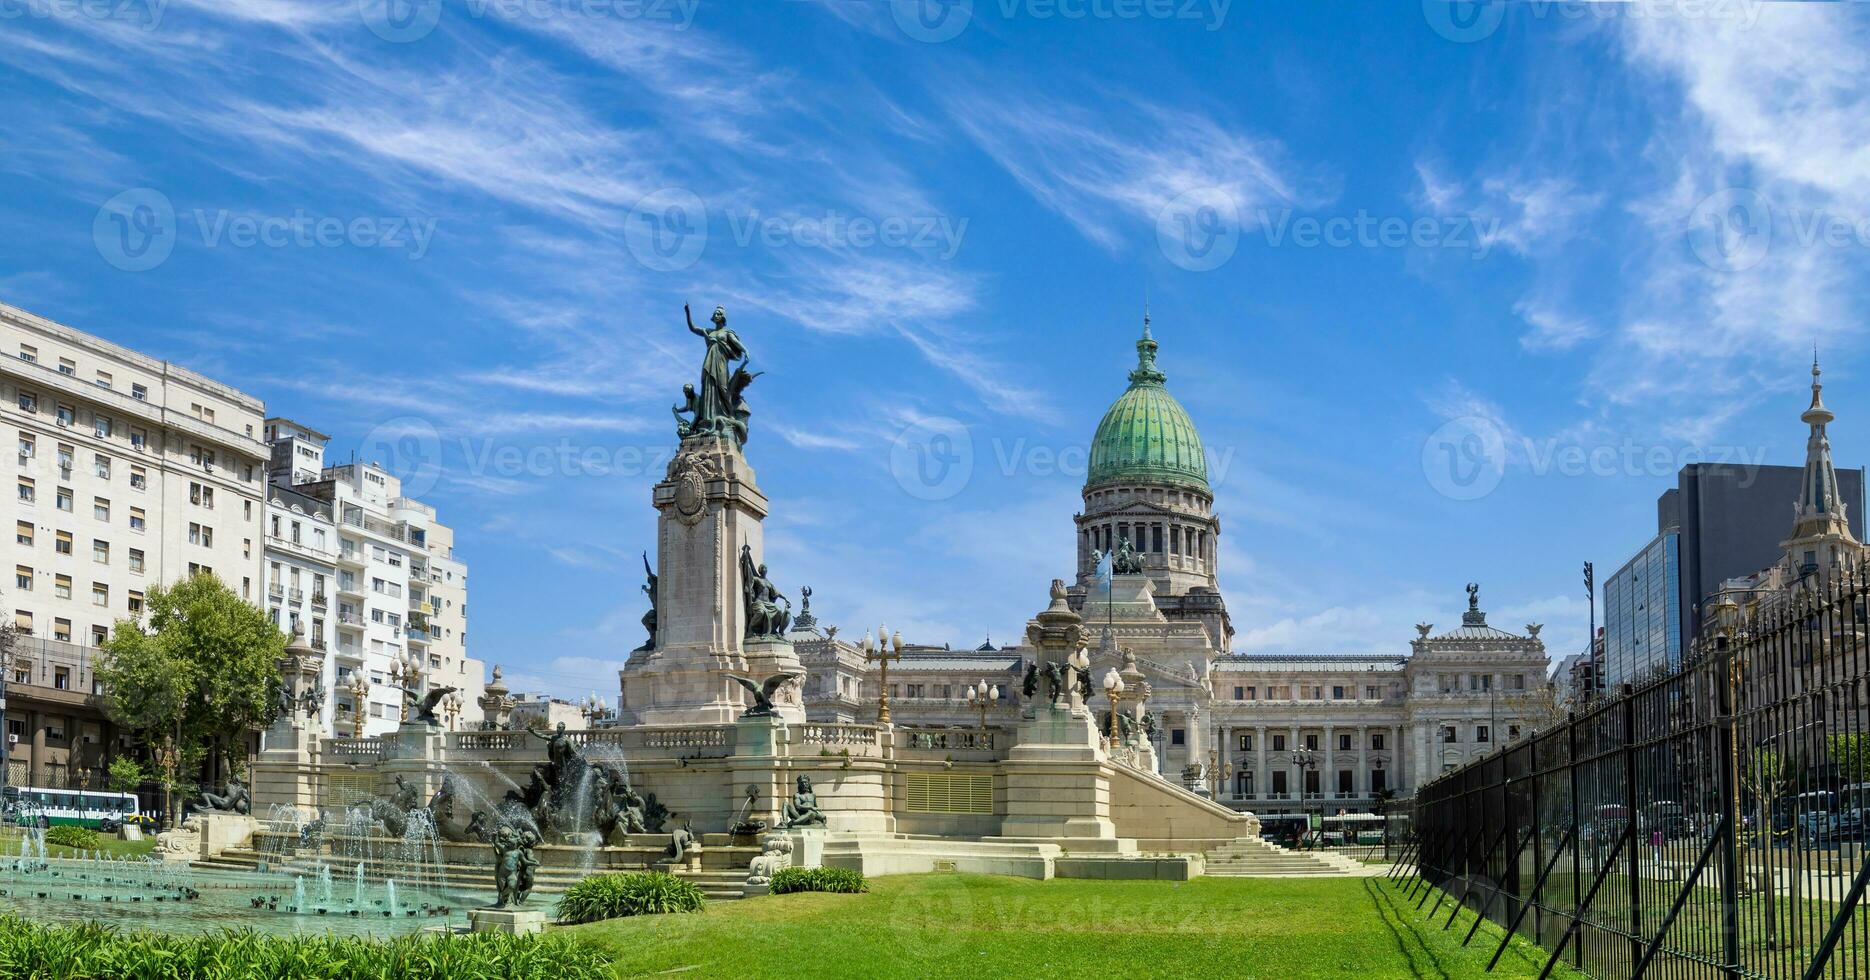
(638, 893)
(70, 836)
(836, 880)
(30, 949)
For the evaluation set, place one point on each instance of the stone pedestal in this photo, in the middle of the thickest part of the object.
(220, 831)
(808, 846)
(710, 509)
(513, 922)
(416, 751)
(1055, 784)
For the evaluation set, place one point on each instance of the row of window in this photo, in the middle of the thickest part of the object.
(69, 368)
(1308, 692)
(1281, 782)
(1452, 683)
(1277, 742)
(24, 579)
(1451, 734)
(104, 427)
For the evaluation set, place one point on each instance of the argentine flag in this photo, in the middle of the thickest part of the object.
(1104, 572)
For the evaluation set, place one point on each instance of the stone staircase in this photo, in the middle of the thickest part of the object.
(1251, 857)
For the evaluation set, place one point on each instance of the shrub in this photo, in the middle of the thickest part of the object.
(638, 893)
(30, 949)
(837, 880)
(64, 834)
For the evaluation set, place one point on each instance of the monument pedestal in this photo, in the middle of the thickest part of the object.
(1055, 784)
(220, 831)
(711, 509)
(513, 922)
(415, 752)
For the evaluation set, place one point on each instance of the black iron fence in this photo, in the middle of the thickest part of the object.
(1710, 823)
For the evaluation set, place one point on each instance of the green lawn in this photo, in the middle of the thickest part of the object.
(981, 926)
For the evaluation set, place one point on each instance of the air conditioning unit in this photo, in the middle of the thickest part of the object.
(12, 739)
(61, 423)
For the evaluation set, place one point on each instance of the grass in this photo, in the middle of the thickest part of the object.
(11, 839)
(982, 926)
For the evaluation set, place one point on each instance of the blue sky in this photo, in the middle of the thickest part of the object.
(1572, 245)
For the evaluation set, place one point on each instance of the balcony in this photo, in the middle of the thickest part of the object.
(351, 556)
(350, 620)
(350, 587)
(297, 596)
(276, 590)
(319, 601)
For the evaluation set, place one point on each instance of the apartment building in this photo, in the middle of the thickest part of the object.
(129, 472)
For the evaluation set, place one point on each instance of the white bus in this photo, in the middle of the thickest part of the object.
(79, 807)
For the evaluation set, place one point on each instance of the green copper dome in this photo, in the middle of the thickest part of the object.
(1147, 437)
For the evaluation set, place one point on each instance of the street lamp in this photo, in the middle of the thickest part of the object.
(1307, 761)
(1113, 689)
(595, 709)
(360, 689)
(982, 696)
(882, 650)
(452, 705)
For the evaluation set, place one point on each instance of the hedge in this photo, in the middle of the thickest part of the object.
(837, 880)
(614, 896)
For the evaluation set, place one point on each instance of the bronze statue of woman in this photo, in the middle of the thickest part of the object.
(714, 401)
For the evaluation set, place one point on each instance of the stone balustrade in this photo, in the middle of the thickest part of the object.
(354, 750)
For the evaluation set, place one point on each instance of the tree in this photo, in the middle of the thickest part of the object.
(204, 675)
(126, 775)
(1851, 753)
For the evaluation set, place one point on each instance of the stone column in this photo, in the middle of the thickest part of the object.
(1398, 774)
(1328, 780)
(1292, 754)
(1361, 782)
(1263, 780)
(36, 765)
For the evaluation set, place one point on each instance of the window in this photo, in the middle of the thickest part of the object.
(22, 621)
(1178, 737)
(61, 586)
(64, 415)
(201, 534)
(136, 560)
(139, 392)
(100, 594)
(1279, 743)
(61, 678)
(201, 495)
(1240, 694)
(100, 508)
(100, 551)
(1448, 734)
(28, 447)
(1311, 743)
(100, 466)
(22, 578)
(26, 492)
(1376, 742)
(29, 354)
(1280, 779)
(136, 603)
(61, 542)
(139, 478)
(22, 532)
(1337, 693)
(1345, 782)
(1246, 743)
(1517, 682)
(1512, 733)
(1379, 781)
(64, 461)
(68, 366)
(28, 402)
(1252, 692)
(1482, 734)
(64, 499)
(99, 636)
(138, 439)
(100, 426)
(137, 521)
(1344, 743)
(104, 380)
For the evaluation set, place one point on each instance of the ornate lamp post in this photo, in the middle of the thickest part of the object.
(595, 710)
(1113, 689)
(452, 705)
(1306, 761)
(407, 673)
(982, 696)
(882, 650)
(360, 689)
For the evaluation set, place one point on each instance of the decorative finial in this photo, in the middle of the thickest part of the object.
(1146, 372)
(1817, 414)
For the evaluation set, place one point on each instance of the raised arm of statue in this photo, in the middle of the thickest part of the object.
(697, 331)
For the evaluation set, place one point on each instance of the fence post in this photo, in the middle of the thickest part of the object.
(1725, 742)
(1538, 841)
(1577, 844)
(1629, 805)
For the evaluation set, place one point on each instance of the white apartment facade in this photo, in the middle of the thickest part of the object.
(130, 472)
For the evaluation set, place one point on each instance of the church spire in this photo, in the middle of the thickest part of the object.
(1821, 532)
(1146, 372)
